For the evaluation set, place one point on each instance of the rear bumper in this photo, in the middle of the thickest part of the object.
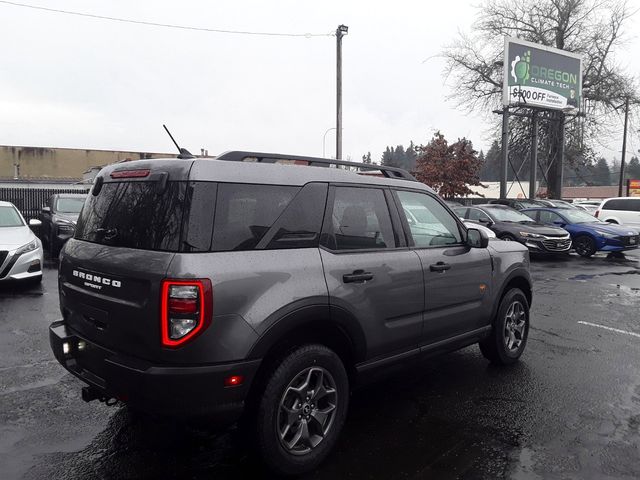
(176, 391)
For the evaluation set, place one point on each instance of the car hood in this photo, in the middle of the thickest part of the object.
(609, 228)
(539, 228)
(14, 237)
(70, 217)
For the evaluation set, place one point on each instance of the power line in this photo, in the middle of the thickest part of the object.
(165, 25)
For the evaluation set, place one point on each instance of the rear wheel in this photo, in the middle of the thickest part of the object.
(510, 330)
(585, 246)
(302, 410)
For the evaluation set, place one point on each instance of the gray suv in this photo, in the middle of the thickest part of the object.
(265, 287)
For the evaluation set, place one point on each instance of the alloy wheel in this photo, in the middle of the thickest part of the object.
(307, 410)
(514, 326)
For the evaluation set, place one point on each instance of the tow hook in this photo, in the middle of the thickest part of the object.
(89, 394)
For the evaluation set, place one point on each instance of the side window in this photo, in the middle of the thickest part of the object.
(300, 224)
(359, 220)
(478, 216)
(461, 212)
(548, 217)
(533, 214)
(434, 224)
(244, 213)
(616, 204)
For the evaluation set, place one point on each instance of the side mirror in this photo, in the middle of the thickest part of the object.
(560, 224)
(477, 238)
(485, 221)
(35, 223)
(46, 209)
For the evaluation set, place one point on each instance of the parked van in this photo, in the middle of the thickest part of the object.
(620, 210)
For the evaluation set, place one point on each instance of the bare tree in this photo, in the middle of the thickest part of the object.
(592, 28)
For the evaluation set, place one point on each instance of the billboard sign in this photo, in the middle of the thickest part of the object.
(539, 76)
(633, 188)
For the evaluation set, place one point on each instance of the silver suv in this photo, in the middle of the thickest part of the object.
(266, 287)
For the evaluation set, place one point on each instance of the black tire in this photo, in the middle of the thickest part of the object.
(507, 237)
(584, 245)
(495, 347)
(307, 362)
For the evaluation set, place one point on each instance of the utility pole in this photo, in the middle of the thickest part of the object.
(341, 31)
(534, 155)
(505, 152)
(624, 146)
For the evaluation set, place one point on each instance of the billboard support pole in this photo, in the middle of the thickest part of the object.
(504, 160)
(624, 146)
(534, 155)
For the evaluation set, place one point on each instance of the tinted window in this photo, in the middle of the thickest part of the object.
(244, 213)
(461, 212)
(434, 225)
(300, 224)
(359, 220)
(134, 215)
(545, 216)
(627, 204)
(478, 215)
(9, 217)
(69, 205)
(199, 226)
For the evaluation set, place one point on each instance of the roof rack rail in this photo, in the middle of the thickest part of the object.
(260, 157)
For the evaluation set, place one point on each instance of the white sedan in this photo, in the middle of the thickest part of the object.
(21, 256)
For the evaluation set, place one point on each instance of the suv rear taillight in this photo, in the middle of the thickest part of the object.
(186, 307)
(597, 213)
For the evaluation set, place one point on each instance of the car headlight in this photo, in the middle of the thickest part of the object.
(606, 234)
(29, 247)
(531, 235)
(66, 227)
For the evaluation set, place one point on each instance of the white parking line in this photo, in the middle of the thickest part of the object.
(617, 330)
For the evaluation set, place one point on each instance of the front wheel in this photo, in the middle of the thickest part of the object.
(585, 246)
(510, 330)
(302, 410)
(507, 237)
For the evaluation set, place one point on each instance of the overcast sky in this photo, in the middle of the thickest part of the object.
(68, 81)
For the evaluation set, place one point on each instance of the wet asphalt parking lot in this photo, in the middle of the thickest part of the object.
(569, 410)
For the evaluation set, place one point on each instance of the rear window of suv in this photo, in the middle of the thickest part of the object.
(134, 215)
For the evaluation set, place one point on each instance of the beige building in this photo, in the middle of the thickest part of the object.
(42, 162)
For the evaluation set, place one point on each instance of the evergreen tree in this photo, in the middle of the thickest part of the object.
(601, 174)
(632, 171)
(387, 157)
(490, 171)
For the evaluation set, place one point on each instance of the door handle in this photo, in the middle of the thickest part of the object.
(357, 276)
(439, 267)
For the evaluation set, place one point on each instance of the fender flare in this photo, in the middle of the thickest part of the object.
(292, 317)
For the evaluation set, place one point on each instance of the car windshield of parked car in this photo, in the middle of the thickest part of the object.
(529, 203)
(69, 205)
(507, 215)
(9, 217)
(578, 216)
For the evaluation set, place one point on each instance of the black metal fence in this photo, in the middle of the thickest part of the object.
(29, 200)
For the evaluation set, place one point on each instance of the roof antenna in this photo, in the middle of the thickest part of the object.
(184, 153)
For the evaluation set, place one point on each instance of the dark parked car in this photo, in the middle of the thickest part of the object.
(59, 217)
(588, 233)
(517, 203)
(509, 224)
(237, 286)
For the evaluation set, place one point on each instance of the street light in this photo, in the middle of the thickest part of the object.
(324, 137)
(341, 31)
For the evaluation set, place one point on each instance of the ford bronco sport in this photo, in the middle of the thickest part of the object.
(264, 286)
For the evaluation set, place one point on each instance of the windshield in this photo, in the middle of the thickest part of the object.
(530, 203)
(69, 205)
(579, 216)
(507, 215)
(9, 217)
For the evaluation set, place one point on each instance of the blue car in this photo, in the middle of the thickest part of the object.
(589, 235)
